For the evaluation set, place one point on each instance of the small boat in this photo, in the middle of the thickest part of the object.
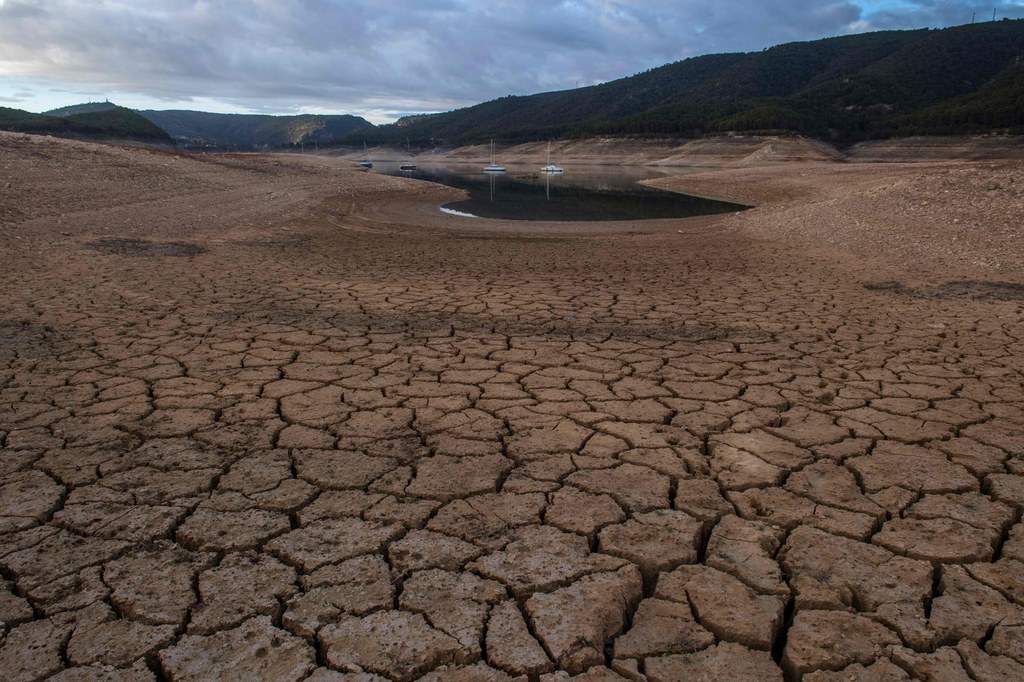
(493, 168)
(409, 166)
(550, 167)
(366, 163)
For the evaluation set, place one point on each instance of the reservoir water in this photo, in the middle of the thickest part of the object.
(589, 193)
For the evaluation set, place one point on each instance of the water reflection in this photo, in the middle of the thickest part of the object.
(594, 194)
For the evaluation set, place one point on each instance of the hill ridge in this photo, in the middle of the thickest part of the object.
(86, 120)
(83, 108)
(253, 131)
(842, 89)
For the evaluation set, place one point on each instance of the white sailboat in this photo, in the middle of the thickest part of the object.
(550, 167)
(493, 168)
(366, 163)
(408, 165)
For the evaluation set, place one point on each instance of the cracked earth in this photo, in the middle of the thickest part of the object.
(274, 418)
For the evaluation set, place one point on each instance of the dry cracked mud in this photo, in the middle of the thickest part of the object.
(270, 417)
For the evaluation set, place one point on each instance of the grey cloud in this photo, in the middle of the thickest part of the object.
(394, 55)
(14, 9)
(939, 13)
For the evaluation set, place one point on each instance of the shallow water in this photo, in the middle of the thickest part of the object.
(589, 193)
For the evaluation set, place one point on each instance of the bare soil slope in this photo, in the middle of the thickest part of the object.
(938, 220)
(739, 151)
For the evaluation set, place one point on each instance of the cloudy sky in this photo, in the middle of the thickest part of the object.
(384, 58)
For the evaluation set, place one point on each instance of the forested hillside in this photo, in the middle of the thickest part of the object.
(84, 108)
(253, 131)
(965, 79)
(112, 122)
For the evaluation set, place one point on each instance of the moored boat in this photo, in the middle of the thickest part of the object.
(550, 167)
(493, 167)
(365, 163)
(408, 165)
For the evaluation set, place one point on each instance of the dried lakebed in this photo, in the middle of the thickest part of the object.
(301, 442)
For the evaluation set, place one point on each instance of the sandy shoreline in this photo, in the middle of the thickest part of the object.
(272, 403)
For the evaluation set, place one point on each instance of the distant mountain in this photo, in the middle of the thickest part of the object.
(105, 121)
(959, 80)
(253, 131)
(85, 108)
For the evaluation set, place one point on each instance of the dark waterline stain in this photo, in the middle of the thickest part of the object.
(141, 247)
(973, 289)
(573, 196)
